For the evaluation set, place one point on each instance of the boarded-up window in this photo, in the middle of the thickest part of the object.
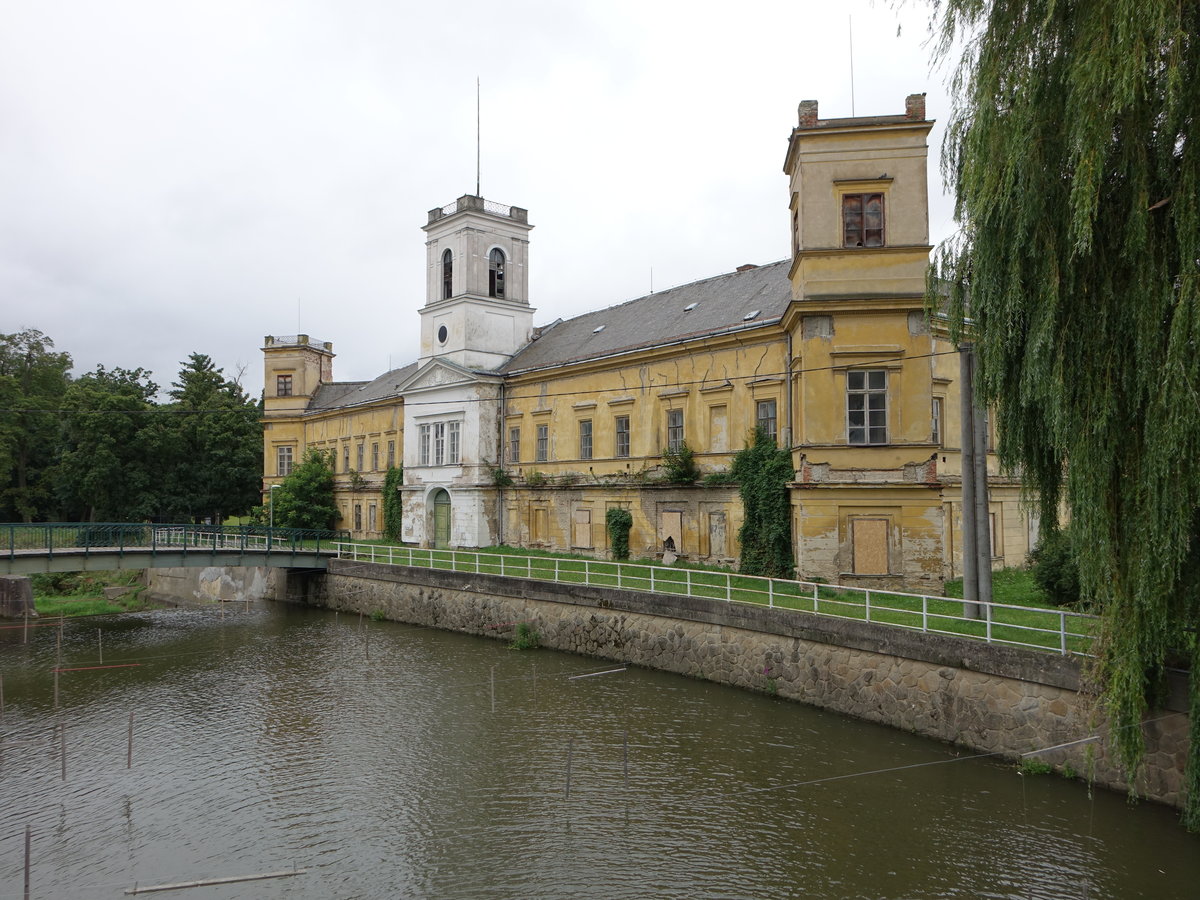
(581, 529)
(670, 526)
(997, 534)
(716, 535)
(718, 430)
(870, 539)
(539, 524)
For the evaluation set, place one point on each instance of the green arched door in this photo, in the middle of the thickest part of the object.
(441, 519)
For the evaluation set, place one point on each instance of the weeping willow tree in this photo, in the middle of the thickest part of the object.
(1073, 151)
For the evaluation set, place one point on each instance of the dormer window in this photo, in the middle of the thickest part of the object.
(447, 275)
(496, 273)
(862, 220)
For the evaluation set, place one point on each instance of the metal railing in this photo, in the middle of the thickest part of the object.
(47, 539)
(1058, 630)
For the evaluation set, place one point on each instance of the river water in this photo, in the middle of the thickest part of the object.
(394, 761)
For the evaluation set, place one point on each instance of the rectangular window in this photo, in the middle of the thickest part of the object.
(423, 444)
(333, 460)
(543, 443)
(514, 445)
(358, 517)
(372, 515)
(283, 461)
(866, 406)
(622, 447)
(375, 457)
(391, 454)
(862, 220)
(361, 455)
(674, 429)
(452, 443)
(283, 385)
(764, 417)
(346, 458)
(439, 443)
(585, 441)
(870, 541)
(937, 421)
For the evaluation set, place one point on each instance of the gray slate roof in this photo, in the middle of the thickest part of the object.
(722, 303)
(341, 394)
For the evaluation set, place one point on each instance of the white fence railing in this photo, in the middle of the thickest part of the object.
(1057, 630)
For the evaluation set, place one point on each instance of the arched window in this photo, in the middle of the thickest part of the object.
(496, 273)
(447, 275)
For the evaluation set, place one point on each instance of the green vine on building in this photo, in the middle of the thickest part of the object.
(764, 472)
(392, 510)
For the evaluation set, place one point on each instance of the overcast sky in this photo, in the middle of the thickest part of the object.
(180, 176)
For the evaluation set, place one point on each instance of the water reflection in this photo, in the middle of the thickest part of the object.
(369, 753)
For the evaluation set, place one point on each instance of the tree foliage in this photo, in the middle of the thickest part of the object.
(33, 379)
(393, 509)
(305, 498)
(217, 452)
(1073, 152)
(764, 472)
(113, 447)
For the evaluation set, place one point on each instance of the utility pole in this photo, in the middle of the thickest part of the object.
(976, 514)
(970, 557)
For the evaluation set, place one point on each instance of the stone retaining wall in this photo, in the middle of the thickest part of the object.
(983, 697)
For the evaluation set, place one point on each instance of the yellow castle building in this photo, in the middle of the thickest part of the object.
(526, 436)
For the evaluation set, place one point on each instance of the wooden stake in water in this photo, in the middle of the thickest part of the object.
(570, 750)
(100, 644)
(1, 698)
(58, 649)
(62, 736)
(625, 757)
(27, 847)
(25, 633)
(56, 688)
(129, 749)
(493, 688)
(367, 639)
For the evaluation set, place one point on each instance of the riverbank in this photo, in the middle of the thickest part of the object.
(96, 593)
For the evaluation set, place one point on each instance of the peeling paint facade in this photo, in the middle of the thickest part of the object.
(528, 436)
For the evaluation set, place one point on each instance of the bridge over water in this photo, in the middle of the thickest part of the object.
(75, 547)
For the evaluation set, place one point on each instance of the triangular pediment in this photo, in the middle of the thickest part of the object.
(439, 373)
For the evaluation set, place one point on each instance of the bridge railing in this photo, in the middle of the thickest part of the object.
(1059, 630)
(72, 537)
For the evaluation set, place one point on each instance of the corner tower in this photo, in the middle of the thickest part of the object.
(476, 311)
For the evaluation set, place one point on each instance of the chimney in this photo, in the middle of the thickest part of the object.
(747, 267)
(914, 107)
(808, 113)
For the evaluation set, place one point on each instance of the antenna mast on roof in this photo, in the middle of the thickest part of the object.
(477, 194)
(851, 65)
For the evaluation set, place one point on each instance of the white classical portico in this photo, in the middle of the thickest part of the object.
(476, 316)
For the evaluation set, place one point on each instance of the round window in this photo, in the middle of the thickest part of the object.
(442, 335)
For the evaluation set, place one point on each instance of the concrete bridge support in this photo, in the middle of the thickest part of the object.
(16, 597)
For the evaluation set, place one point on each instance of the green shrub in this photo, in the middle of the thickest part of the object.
(722, 477)
(1055, 568)
(679, 466)
(618, 522)
(525, 639)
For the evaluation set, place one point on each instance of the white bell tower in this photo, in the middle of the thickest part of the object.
(476, 311)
